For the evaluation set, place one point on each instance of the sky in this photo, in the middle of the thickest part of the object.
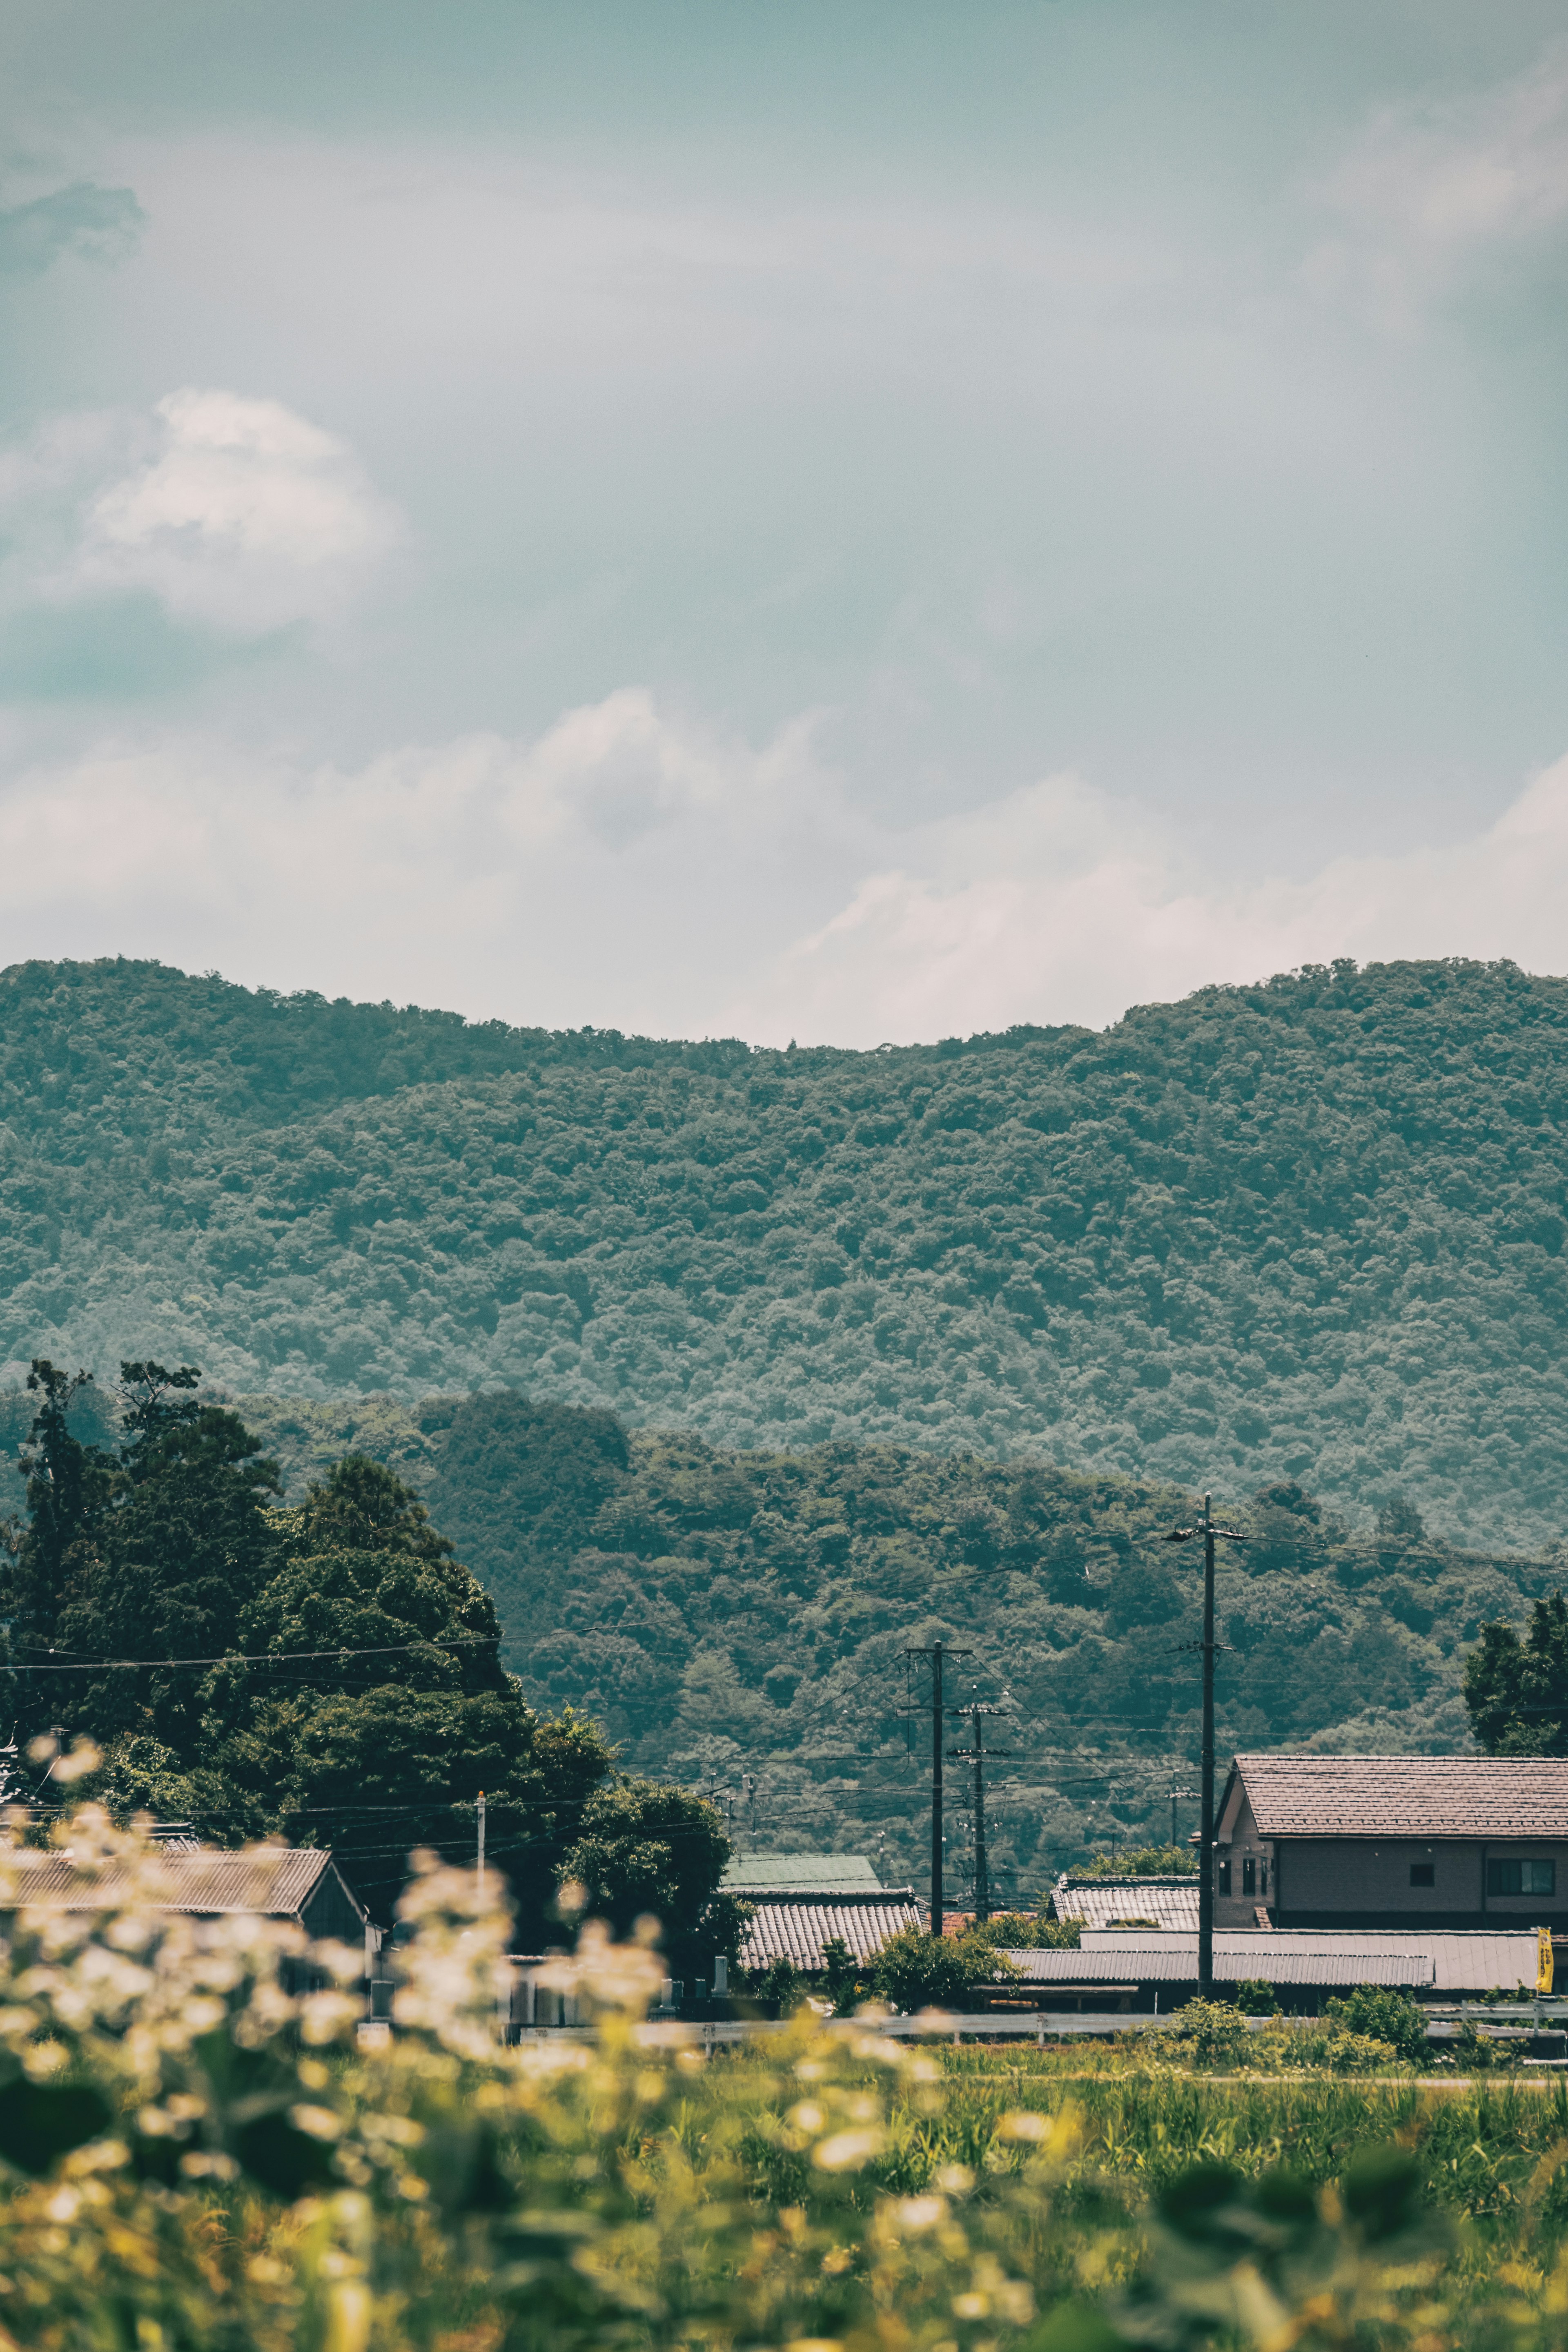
(852, 522)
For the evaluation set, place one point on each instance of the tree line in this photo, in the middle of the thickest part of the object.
(1308, 1230)
(323, 1673)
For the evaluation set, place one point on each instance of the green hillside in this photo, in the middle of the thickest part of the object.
(740, 1620)
(1312, 1229)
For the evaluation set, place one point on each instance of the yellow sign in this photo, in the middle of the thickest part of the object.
(1543, 1963)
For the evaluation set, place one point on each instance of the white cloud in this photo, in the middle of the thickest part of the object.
(1426, 191)
(1057, 904)
(636, 869)
(600, 873)
(237, 514)
(246, 517)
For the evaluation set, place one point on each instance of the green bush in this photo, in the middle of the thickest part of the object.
(1214, 2031)
(1143, 1862)
(914, 1970)
(1018, 1931)
(1384, 2013)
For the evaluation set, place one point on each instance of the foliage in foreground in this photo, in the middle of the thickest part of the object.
(193, 2158)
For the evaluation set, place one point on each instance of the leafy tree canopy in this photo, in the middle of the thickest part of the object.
(1313, 1229)
(1143, 1862)
(1517, 1692)
(327, 1673)
(914, 1970)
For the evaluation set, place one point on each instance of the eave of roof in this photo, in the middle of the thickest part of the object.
(1519, 1798)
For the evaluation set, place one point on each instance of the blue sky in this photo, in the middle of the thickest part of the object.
(850, 521)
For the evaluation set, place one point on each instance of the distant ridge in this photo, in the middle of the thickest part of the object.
(1309, 1229)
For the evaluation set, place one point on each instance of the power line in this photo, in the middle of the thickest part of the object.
(85, 1662)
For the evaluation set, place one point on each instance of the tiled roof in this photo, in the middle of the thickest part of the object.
(276, 1881)
(1167, 1901)
(800, 1874)
(1176, 1963)
(796, 1928)
(1407, 1796)
(1461, 1959)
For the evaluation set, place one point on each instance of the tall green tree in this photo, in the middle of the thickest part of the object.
(328, 1675)
(648, 1850)
(1517, 1692)
(182, 1545)
(69, 1487)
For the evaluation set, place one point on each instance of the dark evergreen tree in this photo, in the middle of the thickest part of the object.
(182, 1548)
(1517, 1692)
(69, 1487)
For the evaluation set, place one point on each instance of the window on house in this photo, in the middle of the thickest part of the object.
(1423, 1874)
(1522, 1877)
(1224, 1877)
(1263, 1877)
(1250, 1876)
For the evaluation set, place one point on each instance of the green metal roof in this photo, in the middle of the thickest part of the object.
(802, 1874)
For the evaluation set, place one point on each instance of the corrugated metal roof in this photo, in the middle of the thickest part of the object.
(797, 1930)
(276, 1881)
(1462, 1959)
(1407, 1796)
(800, 1874)
(1170, 1903)
(1175, 1961)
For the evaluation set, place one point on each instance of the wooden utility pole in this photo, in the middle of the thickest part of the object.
(937, 1651)
(977, 1755)
(1205, 1865)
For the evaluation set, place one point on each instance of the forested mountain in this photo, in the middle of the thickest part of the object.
(740, 1620)
(1311, 1229)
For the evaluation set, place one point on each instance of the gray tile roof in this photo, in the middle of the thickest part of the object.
(796, 1928)
(1167, 1901)
(1407, 1796)
(1460, 1960)
(276, 1881)
(800, 1874)
(1178, 1964)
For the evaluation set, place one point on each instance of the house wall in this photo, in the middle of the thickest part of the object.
(1365, 1882)
(1238, 1908)
(329, 1913)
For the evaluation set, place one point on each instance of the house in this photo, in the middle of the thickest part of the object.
(301, 1883)
(1393, 1842)
(805, 1900)
(1167, 1903)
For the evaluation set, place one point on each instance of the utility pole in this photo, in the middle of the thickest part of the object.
(937, 1651)
(480, 1881)
(977, 1754)
(1173, 1795)
(1210, 1532)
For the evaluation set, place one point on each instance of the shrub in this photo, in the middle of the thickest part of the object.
(780, 1988)
(840, 1975)
(1214, 2032)
(1143, 1861)
(913, 1970)
(1386, 2014)
(1018, 1931)
(1257, 1998)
